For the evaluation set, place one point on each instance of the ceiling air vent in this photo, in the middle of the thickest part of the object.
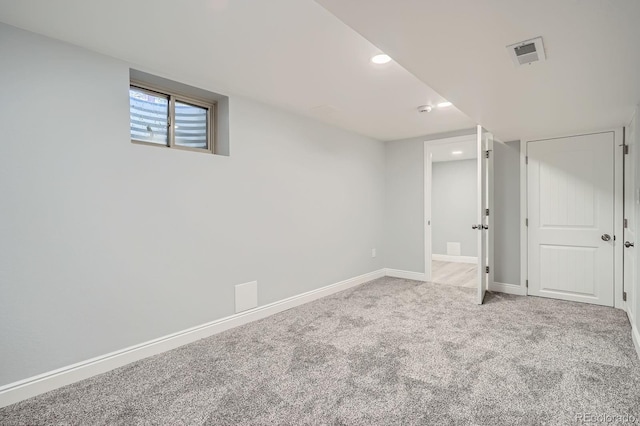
(527, 52)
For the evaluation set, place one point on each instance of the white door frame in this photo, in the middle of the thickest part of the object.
(618, 212)
(428, 171)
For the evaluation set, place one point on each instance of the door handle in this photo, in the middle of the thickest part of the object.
(485, 226)
(606, 237)
(474, 226)
(627, 244)
(479, 227)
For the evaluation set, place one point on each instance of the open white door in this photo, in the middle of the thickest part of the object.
(484, 221)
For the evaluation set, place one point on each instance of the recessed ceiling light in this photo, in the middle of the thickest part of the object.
(381, 59)
(444, 104)
(456, 152)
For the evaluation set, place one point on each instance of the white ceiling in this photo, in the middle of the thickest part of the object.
(289, 53)
(590, 81)
(465, 150)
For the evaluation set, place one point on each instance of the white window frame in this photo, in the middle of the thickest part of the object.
(173, 98)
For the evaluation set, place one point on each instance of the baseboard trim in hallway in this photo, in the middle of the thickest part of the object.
(30, 387)
(455, 259)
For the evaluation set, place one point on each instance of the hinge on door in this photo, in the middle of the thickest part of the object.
(626, 149)
(487, 212)
(487, 269)
(526, 160)
(624, 296)
(626, 223)
(486, 154)
(526, 222)
(526, 283)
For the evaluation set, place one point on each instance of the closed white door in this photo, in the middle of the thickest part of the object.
(570, 183)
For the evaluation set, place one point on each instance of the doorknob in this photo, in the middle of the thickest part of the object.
(627, 244)
(485, 226)
(606, 237)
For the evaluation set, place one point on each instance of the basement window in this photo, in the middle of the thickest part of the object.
(167, 119)
(174, 115)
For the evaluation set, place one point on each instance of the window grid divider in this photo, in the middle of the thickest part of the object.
(172, 120)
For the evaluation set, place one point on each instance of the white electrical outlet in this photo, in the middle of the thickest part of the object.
(373, 252)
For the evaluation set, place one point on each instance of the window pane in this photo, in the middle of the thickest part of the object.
(149, 112)
(191, 126)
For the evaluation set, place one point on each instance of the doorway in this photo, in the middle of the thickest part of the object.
(458, 198)
(454, 258)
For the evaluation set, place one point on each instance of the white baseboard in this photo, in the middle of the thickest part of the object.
(636, 338)
(635, 335)
(407, 275)
(458, 259)
(27, 388)
(508, 288)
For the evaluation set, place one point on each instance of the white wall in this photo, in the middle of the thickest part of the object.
(107, 244)
(506, 205)
(454, 206)
(404, 206)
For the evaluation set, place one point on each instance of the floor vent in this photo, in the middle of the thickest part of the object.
(527, 52)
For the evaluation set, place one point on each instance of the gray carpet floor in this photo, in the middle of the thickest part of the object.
(391, 351)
